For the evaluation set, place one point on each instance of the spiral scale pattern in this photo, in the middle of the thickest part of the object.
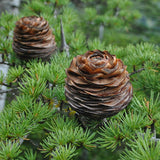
(97, 84)
(33, 38)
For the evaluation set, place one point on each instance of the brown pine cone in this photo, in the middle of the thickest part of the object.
(97, 84)
(33, 38)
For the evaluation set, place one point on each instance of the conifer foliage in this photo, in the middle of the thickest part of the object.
(37, 121)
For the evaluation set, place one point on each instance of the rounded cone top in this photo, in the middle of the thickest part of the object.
(33, 38)
(97, 84)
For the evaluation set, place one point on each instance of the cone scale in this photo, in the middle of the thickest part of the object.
(97, 84)
(33, 38)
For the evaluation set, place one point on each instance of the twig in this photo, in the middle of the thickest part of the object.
(55, 13)
(82, 120)
(34, 143)
(7, 85)
(21, 140)
(137, 71)
(8, 90)
(101, 32)
(156, 139)
(61, 106)
(64, 45)
(6, 63)
(117, 11)
(152, 138)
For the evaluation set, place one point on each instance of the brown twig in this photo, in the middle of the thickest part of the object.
(136, 71)
(7, 85)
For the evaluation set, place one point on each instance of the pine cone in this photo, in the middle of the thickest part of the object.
(97, 84)
(33, 38)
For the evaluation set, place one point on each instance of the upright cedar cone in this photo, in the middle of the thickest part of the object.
(33, 38)
(97, 84)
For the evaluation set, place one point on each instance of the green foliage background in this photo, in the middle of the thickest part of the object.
(38, 124)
